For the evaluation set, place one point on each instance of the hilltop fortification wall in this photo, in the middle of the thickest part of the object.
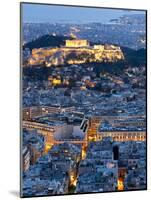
(77, 54)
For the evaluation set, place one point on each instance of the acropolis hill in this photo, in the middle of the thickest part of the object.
(75, 52)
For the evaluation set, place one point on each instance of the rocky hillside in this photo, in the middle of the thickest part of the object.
(63, 55)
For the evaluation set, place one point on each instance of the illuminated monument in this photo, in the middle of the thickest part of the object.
(76, 43)
(75, 51)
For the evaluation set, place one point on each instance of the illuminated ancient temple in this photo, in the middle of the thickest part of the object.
(76, 43)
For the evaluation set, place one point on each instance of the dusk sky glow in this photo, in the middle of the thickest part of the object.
(68, 14)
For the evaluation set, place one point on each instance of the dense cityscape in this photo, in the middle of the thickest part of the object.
(84, 106)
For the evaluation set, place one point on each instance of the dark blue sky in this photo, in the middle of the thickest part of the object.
(51, 13)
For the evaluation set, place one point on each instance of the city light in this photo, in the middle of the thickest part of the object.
(120, 184)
